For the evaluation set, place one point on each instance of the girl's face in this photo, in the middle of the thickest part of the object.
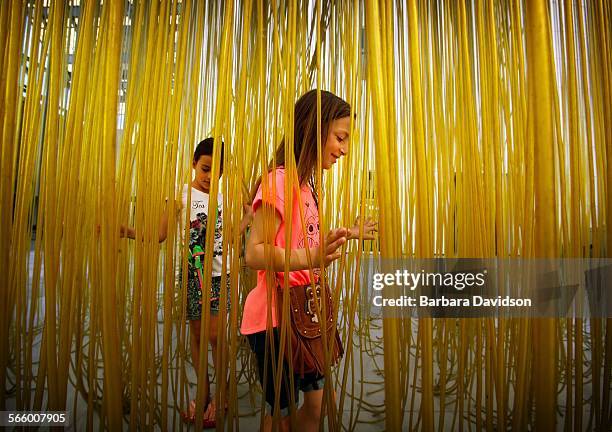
(337, 142)
(202, 173)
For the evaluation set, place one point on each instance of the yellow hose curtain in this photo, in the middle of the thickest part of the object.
(481, 129)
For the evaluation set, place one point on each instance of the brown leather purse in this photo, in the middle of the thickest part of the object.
(306, 352)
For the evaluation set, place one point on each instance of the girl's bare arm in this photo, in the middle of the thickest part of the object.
(298, 260)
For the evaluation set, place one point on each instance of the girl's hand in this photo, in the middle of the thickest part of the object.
(333, 243)
(370, 226)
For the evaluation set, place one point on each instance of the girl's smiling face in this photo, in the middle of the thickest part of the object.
(337, 142)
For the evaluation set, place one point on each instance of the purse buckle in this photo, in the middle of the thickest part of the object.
(311, 297)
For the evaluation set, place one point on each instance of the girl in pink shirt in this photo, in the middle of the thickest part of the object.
(335, 129)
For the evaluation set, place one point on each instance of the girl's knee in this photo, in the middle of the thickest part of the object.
(314, 412)
(212, 338)
(284, 425)
(313, 405)
(195, 330)
(195, 324)
(214, 330)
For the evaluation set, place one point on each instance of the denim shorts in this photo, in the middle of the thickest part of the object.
(309, 382)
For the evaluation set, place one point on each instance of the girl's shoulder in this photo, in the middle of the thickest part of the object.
(278, 171)
(185, 191)
(188, 192)
(271, 177)
(194, 192)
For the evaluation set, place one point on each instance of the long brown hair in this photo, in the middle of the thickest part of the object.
(305, 132)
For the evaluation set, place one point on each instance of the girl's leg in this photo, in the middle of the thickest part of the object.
(194, 332)
(212, 339)
(195, 326)
(309, 414)
(283, 426)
